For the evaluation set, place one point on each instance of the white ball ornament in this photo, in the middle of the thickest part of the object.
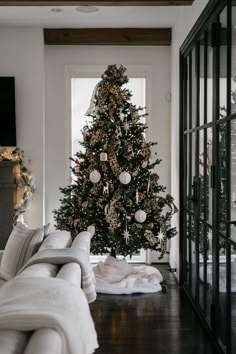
(144, 164)
(125, 177)
(140, 216)
(103, 156)
(95, 176)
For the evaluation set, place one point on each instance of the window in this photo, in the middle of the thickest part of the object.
(81, 85)
(81, 93)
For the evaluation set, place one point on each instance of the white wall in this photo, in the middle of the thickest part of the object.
(57, 152)
(22, 56)
(187, 18)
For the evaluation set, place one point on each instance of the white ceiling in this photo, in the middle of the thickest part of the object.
(126, 16)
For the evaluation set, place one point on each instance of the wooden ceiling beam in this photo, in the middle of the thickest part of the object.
(108, 36)
(96, 3)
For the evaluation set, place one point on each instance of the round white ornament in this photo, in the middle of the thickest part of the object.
(144, 164)
(103, 156)
(122, 116)
(125, 177)
(95, 176)
(140, 216)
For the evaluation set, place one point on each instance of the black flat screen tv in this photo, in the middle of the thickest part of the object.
(7, 111)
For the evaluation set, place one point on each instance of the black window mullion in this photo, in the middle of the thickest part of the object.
(228, 185)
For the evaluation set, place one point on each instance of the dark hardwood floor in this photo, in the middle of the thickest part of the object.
(159, 323)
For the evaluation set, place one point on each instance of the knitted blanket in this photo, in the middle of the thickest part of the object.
(67, 255)
(31, 303)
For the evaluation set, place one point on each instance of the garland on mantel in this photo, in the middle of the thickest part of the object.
(25, 183)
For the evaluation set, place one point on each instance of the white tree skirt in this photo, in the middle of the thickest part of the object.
(116, 276)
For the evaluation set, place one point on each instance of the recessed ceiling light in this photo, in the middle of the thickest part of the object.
(86, 9)
(56, 9)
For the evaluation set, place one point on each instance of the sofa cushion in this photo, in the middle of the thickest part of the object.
(56, 239)
(22, 244)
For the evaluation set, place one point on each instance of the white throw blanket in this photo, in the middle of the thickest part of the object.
(67, 255)
(116, 276)
(30, 303)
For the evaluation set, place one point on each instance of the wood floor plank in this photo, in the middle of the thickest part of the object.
(149, 323)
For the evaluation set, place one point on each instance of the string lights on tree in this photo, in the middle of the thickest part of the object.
(115, 188)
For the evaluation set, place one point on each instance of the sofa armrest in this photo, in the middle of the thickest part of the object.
(83, 240)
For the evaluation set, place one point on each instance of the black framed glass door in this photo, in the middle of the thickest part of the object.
(208, 170)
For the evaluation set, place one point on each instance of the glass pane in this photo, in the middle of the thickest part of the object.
(233, 179)
(223, 65)
(185, 93)
(188, 94)
(188, 231)
(192, 173)
(194, 88)
(187, 154)
(186, 170)
(205, 270)
(222, 174)
(202, 265)
(201, 82)
(202, 169)
(209, 80)
(222, 310)
(208, 194)
(193, 154)
(209, 274)
(233, 298)
(233, 68)
(81, 92)
(193, 256)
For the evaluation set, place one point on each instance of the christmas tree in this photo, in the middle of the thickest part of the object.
(115, 188)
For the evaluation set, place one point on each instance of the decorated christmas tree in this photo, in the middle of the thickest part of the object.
(115, 188)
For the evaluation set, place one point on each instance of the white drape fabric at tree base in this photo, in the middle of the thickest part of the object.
(116, 276)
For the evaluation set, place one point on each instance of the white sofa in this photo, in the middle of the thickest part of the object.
(45, 340)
